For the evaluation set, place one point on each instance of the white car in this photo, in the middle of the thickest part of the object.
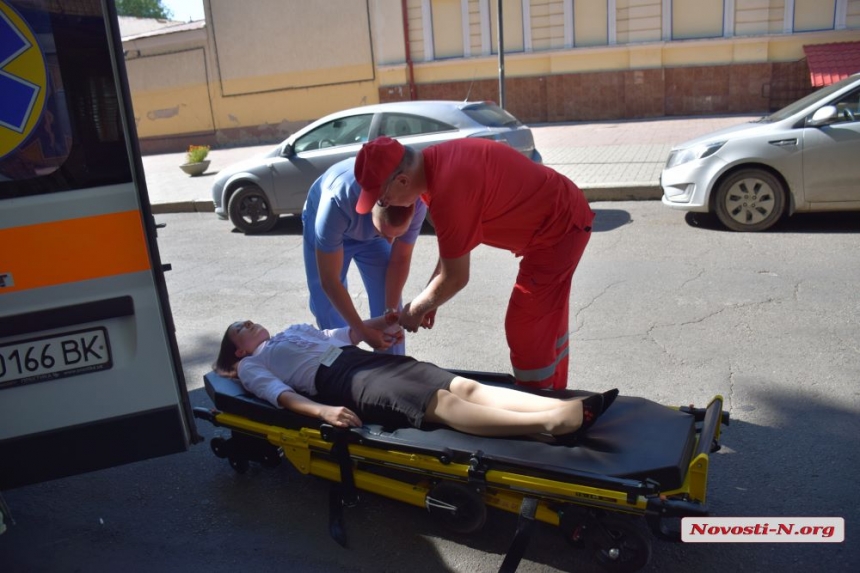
(803, 158)
(255, 192)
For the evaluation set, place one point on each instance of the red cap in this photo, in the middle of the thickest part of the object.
(375, 163)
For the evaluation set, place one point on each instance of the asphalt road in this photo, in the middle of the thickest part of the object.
(663, 306)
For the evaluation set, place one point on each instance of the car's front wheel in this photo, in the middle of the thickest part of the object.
(750, 200)
(250, 211)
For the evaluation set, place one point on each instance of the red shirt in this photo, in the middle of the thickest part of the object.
(482, 191)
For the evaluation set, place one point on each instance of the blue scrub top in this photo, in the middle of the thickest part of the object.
(333, 197)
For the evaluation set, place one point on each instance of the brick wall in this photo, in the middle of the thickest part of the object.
(592, 96)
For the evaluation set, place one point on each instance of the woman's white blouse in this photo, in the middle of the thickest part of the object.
(288, 362)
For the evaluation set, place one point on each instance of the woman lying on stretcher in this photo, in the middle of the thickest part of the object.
(323, 375)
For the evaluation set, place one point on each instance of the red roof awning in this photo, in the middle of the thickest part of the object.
(829, 63)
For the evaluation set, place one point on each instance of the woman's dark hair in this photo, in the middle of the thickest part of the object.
(225, 364)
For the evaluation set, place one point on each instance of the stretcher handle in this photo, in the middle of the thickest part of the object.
(659, 508)
(713, 417)
(699, 414)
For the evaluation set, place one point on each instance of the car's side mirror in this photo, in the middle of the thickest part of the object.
(287, 150)
(823, 116)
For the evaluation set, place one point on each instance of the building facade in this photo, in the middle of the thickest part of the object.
(255, 72)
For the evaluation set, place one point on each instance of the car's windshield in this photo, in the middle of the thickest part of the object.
(490, 115)
(800, 104)
(342, 131)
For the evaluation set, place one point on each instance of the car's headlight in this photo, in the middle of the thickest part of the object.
(682, 156)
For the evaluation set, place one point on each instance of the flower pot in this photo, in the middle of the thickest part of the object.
(195, 168)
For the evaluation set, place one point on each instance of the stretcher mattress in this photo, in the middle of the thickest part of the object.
(636, 439)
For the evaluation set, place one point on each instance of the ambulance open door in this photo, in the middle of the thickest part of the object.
(90, 374)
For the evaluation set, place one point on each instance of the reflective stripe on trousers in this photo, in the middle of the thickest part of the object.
(537, 321)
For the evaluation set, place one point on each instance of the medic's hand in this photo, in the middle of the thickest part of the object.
(340, 416)
(429, 319)
(409, 320)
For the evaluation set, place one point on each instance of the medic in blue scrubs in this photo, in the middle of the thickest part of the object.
(335, 235)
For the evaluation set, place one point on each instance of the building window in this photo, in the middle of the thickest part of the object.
(447, 28)
(512, 16)
(811, 15)
(697, 19)
(590, 24)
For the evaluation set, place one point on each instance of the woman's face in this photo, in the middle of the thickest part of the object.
(247, 336)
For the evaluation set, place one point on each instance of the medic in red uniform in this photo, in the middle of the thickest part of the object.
(481, 192)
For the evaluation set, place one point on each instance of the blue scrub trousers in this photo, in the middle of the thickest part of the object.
(371, 258)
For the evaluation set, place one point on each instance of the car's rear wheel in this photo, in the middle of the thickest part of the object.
(250, 210)
(750, 200)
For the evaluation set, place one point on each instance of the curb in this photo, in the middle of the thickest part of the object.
(623, 192)
(195, 206)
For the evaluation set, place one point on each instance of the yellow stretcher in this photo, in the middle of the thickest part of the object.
(641, 466)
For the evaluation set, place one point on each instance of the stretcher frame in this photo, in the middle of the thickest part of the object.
(598, 512)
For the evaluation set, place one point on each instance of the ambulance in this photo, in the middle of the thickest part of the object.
(90, 373)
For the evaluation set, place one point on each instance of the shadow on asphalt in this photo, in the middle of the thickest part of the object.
(604, 220)
(842, 222)
(287, 225)
(610, 219)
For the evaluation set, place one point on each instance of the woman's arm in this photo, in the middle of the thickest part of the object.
(385, 326)
(335, 415)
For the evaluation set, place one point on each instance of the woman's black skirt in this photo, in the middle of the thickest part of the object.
(385, 389)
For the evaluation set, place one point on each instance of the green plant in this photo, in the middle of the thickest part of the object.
(196, 153)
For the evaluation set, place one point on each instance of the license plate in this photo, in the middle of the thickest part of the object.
(53, 357)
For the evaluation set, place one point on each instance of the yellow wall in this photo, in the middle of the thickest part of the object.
(414, 10)
(547, 24)
(853, 14)
(284, 63)
(174, 102)
(290, 46)
(753, 17)
(386, 30)
(639, 21)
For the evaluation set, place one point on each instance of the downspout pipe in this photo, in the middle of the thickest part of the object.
(409, 67)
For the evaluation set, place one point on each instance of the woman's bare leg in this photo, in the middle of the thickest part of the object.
(504, 398)
(449, 409)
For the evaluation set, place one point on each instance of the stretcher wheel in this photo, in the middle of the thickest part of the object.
(457, 507)
(241, 465)
(621, 545)
(219, 447)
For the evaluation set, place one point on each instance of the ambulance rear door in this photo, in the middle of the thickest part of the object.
(90, 374)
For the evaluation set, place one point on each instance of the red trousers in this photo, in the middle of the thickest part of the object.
(536, 324)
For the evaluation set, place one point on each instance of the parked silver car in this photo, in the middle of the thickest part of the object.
(255, 192)
(805, 157)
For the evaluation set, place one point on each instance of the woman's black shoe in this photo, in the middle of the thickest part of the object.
(592, 408)
(608, 398)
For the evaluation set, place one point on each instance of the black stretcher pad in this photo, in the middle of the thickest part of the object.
(635, 439)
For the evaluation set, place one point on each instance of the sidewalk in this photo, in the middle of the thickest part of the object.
(609, 160)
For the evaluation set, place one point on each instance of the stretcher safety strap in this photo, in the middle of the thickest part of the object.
(343, 493)
(525, 526)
